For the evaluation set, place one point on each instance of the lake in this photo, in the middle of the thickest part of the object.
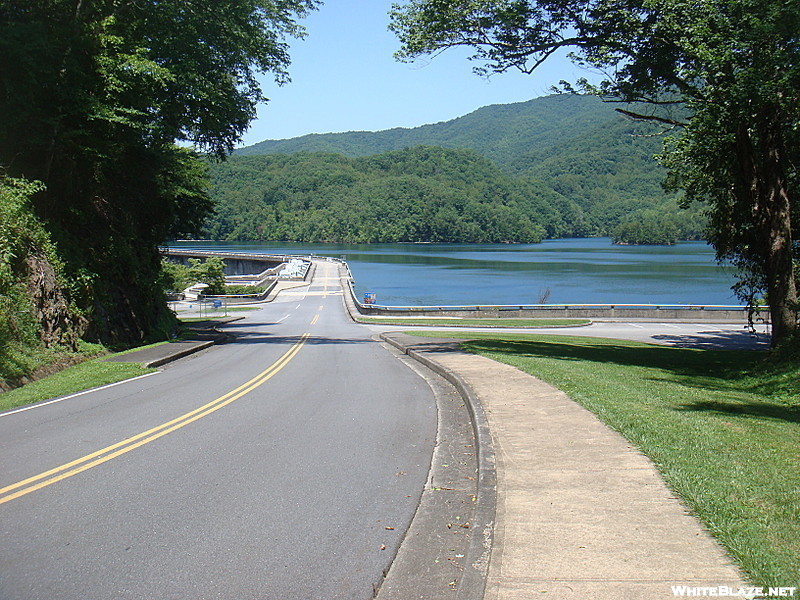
(568, 271)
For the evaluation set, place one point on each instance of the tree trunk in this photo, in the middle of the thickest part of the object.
(761, 185)
(774, 214)
(778, 264)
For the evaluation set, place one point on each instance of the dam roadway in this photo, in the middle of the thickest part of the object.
(286, 463)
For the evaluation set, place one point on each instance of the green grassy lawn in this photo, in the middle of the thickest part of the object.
(722, 426)
(91, 370)
(83, 376)
(476, 322)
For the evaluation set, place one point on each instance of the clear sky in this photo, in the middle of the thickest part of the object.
(344, 78)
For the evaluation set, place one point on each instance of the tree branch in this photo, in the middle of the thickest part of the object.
(657, 119)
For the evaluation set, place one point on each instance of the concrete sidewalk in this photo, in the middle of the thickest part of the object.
(579, 512)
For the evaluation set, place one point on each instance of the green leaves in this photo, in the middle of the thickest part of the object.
(734, 66)
(30, 270)
(646, 227)
(422, 194)
(94, 96)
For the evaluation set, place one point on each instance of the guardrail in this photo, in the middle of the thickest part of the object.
(612, 312)
(507, 307)
(641, 312)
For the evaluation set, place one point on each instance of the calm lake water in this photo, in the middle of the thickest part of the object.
(574, 271)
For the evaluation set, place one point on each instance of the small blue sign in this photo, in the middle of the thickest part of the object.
(217, 303)
(369, 297)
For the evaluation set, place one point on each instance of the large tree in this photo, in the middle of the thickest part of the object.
(724, 74)
(94, 94)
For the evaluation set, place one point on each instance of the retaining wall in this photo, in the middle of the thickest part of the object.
(688, 313)
(596, 312)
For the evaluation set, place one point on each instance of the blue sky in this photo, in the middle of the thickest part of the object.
(344, 78)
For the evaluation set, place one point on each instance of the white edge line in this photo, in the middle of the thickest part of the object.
(97, 389)
(282, 318)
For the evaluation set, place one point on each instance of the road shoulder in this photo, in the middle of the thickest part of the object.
(580, 513)
(431, 559)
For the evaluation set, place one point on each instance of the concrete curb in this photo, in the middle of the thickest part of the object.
(221, 337)
(347, 298)
(153, 364)
(434, 324)
(473, 579)
(164, 355)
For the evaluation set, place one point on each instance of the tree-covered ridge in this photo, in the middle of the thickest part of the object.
(421, 194)
(499, 129)
(731, 66)
(577, 145)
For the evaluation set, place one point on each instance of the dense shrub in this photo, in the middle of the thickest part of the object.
(35, 308)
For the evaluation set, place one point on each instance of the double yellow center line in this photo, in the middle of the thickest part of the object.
(85, 463)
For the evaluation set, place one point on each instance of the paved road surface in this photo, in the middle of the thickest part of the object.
(685, 335)
(284, 465)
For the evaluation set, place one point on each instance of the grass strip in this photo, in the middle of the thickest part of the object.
(83, 376)
(89, 372)
(215, 314)
(499, 323)
(721, 426)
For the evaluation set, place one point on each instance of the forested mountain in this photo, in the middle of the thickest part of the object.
(577, 145)
(570, 165)
(499, 132)
(421, 194)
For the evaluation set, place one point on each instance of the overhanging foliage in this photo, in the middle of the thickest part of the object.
(95, 94)
(732, 65)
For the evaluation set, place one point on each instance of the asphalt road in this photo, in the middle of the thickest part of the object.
(726, 336)
(286, 464)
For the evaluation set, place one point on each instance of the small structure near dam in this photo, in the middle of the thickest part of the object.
(236, 263)
(257, 270)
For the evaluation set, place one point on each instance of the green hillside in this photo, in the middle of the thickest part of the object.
(421, 194)
(577, 145)
(570, 165)
(499, 132)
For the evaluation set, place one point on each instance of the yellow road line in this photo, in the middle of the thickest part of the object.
(315, 319)
(115, 450)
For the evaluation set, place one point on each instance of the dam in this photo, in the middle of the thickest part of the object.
(241, 266)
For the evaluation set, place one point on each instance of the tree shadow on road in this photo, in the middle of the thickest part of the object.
(260, 337)
(732, 340)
